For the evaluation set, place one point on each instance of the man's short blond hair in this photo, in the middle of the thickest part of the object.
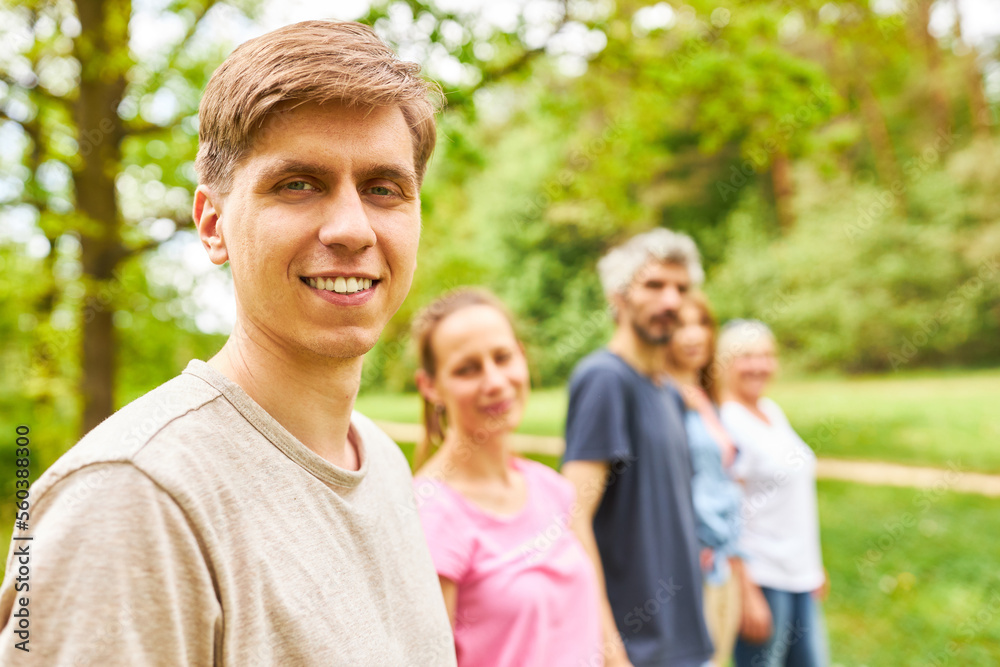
(311, 61)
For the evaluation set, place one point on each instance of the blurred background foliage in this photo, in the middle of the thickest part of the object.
(837, 163)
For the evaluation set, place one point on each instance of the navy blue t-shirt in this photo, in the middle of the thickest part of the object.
(645, 523)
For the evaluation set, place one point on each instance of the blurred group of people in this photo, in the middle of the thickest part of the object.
(683, 529)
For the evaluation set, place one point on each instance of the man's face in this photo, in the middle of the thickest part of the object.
(321, 227)
(652, 302)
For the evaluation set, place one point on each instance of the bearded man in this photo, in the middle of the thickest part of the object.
(627, 455)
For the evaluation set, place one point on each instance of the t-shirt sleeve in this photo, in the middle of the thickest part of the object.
(115, 576)
(597, 420)
(449, 537)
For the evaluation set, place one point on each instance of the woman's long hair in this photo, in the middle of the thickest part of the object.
(707, 376)
(424, 325)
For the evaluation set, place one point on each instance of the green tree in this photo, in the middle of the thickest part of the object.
(106, 149)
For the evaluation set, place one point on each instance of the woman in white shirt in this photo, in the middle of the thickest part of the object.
(782, 623)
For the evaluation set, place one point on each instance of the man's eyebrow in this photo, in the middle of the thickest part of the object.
(402, 174)
(394, 172)
(285, 167)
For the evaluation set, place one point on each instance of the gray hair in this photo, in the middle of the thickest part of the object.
(737, 337)
(620, 265)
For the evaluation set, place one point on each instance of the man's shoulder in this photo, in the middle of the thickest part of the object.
(601, 365)
(379, 445)
(121, 437)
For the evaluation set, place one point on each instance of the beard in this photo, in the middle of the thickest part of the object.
(666, 332)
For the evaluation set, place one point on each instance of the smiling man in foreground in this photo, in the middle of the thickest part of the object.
(241, 513)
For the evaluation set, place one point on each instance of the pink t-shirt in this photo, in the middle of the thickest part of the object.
(527, 591)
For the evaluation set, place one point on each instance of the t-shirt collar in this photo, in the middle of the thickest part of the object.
(278, 435)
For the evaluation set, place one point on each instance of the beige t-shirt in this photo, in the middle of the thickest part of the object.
(190, 528)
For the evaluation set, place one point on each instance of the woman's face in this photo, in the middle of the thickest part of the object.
(750, 371)
(690, 346)
(482, 374)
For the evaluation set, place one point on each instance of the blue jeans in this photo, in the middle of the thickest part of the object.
(799, 637)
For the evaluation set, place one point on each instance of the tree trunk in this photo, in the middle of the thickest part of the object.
(783, 188)
(940, 106)
(878, 134)
(104, 31)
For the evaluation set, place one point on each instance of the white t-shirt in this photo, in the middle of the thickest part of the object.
(780, 518)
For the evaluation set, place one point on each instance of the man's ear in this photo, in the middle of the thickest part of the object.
(207, 215)
(618, 304)
(425, 385)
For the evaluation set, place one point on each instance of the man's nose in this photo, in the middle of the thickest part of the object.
(345, 221)
(671, 298)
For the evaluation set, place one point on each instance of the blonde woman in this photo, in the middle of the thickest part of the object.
(519, 588)
(782, 624)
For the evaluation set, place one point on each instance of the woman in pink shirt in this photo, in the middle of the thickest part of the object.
(519, 588)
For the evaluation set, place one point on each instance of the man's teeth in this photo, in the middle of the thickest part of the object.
(340, 284)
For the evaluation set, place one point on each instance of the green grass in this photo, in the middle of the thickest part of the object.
(911, 571)
(918, 419)
(913, 575)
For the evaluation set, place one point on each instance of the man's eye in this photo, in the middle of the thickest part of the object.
(299, 186)
(381, 191)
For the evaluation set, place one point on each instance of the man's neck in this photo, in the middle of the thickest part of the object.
(649, 360)
(311, 397)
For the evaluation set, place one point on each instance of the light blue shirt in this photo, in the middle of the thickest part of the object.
(717, 498)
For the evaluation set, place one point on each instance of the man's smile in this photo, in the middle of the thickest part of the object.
(341, 284)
